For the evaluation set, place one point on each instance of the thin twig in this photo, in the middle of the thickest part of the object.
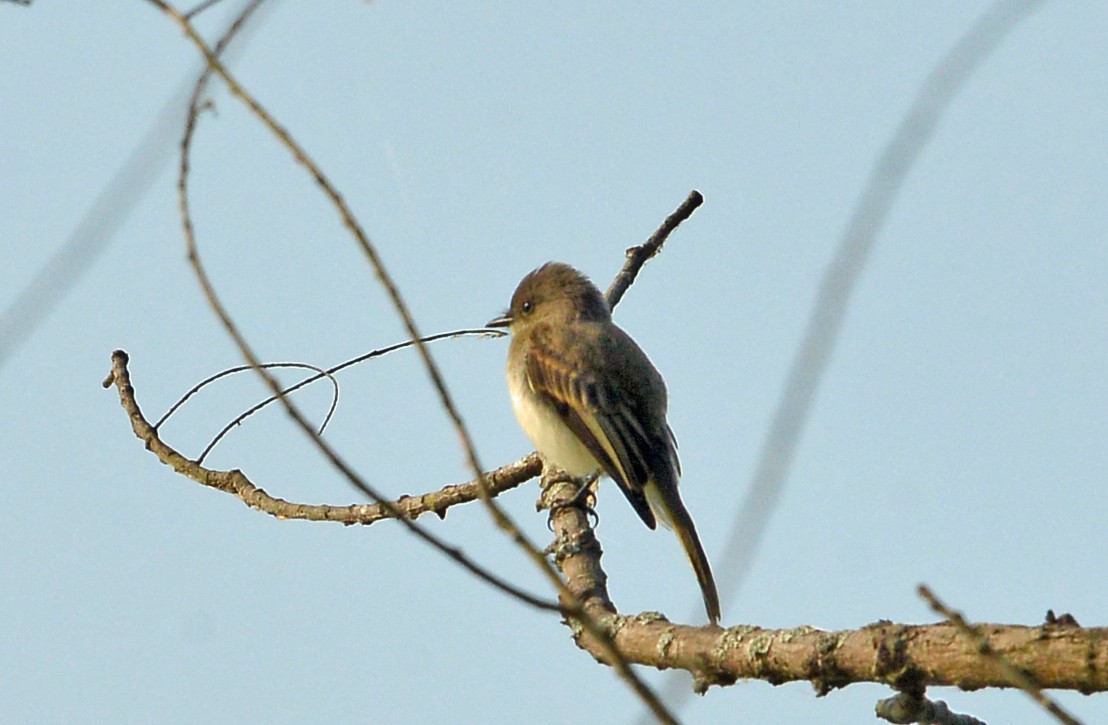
(639, 255)
(328, 373)
(206, 4)
(1018, 677)
(241, 369)
(113, 204)
(321, 373)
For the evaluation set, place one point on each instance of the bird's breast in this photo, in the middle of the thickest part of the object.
(549, 434)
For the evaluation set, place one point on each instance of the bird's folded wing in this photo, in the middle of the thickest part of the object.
(592, 408)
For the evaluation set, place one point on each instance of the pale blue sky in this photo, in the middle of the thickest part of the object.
(959, 438)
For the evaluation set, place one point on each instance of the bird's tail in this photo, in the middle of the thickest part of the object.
(665, 502)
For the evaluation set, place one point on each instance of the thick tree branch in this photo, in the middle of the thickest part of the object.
(984, 647)
(906, 657)
(899, 655)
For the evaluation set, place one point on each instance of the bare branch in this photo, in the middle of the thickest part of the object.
(1057, 655)
(639, 255)
(907, 657)
(577, 553)
(888, 653)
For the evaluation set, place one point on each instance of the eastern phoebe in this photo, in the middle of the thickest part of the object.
(590, 400)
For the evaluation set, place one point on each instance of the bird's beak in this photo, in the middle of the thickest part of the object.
(503, 321)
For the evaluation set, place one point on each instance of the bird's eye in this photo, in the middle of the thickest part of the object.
(527, 307)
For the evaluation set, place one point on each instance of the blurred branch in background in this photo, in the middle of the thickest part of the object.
(113, 205)
(842, 274)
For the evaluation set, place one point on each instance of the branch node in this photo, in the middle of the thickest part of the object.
(905, 708)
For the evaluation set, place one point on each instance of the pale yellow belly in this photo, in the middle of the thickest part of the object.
(550, 436)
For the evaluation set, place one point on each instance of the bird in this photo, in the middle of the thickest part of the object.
(591, 402)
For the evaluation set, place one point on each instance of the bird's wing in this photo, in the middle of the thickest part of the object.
(595, 409)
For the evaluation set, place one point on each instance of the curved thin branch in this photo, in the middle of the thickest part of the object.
(328, 373)
(501, 520)
(254, 408)
(241, 369)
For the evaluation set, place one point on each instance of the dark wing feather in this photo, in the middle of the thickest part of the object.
(594, 407)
